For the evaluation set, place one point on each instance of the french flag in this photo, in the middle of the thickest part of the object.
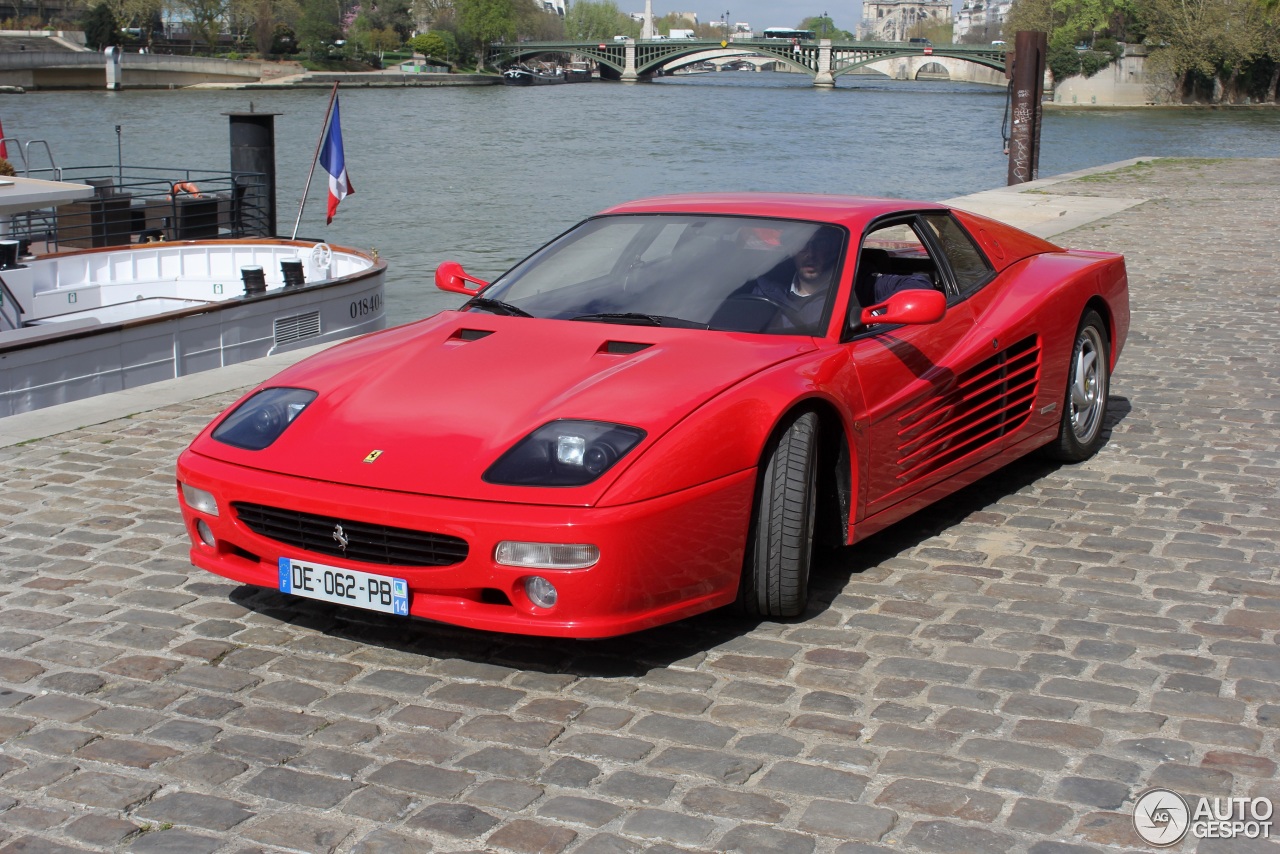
(335, 164)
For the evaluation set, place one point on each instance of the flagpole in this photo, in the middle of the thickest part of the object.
(319, 145)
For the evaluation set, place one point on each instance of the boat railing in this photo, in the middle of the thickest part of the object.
(137, 204)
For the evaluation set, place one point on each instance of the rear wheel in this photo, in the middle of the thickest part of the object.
(775, 576)
(1088, 390)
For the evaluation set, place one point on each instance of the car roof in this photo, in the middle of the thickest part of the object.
(851, 211)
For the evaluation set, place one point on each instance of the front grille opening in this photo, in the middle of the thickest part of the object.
(364, 541)
(494, 596)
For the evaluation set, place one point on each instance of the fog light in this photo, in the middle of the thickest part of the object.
(546, 555)
(540, 591)
(198, 499)
(206, 533)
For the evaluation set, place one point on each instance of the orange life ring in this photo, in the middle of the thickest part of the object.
(185, 187)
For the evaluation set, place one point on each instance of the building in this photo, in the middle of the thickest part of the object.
(556, 6)
(981, 20)
(897, 20)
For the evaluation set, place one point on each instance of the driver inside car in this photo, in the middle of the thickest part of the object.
(812, 273)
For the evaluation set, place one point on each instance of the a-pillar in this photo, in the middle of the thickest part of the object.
(629, 74)
(112, 58)
(824, 78)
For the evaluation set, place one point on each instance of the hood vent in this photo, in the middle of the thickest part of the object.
(622, 348)
(983, 404)
(470, 334)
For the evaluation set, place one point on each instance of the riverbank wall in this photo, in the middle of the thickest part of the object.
(1123, 83)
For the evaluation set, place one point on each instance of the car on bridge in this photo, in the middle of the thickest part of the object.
(667, 409)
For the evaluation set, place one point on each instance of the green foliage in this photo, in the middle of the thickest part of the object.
(437, 44)
(825, 28)
(100, 28)
(487, 21)
(536, 24)
(284, 41)
(204, 19)
(673, 21)
(598, 20)
(317, 28)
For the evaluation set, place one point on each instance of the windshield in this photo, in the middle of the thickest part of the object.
(713, 272)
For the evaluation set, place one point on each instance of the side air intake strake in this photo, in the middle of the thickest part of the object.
(988, 401)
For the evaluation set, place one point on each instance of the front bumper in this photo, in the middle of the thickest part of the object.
(660, 560)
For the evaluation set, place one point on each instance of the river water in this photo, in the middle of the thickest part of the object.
(484, 175)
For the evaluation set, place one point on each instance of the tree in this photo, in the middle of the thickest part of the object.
(1212, 39)
(317, 27)
(825, 28)
(485, 22)
(204, 18)
(437, 44)
(429, 14)
(598, 20)
(535, 23)
(263, 18)
(100, 28)
(673, 21)
(134, 13)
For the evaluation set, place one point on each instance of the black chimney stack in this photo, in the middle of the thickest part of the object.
(253, 154)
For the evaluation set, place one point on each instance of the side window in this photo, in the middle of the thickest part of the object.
(893, 258)
(967, 263)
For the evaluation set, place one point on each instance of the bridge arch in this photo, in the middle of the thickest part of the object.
(824, 60)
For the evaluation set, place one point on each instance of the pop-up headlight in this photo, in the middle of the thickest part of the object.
(564, 453)
(261, 419)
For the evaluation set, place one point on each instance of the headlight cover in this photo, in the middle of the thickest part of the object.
(260, 420)
(564, 453)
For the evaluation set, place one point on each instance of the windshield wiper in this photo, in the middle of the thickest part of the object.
(496, 306)
(636, 317)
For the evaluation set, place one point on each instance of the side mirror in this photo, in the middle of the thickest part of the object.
(916, 306)
(450, 277)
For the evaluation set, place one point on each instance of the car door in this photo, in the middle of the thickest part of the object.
(931, 396)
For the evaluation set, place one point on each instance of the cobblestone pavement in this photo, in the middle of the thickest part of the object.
(1007, 671)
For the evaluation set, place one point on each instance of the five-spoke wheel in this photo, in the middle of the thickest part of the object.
(1088, 390)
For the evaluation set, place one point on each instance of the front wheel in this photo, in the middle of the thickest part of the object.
(775, 575)
(1088, 390)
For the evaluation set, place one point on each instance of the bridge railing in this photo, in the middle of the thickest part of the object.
(140, 203)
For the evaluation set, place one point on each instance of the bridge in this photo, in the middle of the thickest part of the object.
(632, 60)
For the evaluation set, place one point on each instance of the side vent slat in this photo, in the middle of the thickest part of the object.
(990, 400)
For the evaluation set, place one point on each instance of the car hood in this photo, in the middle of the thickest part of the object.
(443, 398)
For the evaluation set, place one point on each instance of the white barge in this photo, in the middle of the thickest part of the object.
(83, 323)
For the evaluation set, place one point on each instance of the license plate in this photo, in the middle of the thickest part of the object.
(344, 586)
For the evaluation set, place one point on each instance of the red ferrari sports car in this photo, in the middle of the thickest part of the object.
(659, 412)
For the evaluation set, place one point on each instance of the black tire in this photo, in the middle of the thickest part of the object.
(1084, 405)
(775, 574)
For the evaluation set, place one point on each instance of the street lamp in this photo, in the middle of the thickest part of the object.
(726, 24)
(824, 25)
